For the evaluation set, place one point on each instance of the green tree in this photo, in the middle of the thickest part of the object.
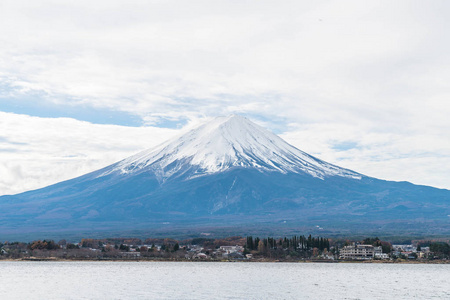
(72, 246)
(440, 249)
(250, 244)
(123, 247)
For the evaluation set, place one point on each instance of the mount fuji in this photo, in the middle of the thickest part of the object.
(226, 176)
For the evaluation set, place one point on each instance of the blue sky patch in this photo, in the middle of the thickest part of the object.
(344, 146)
(40, 107)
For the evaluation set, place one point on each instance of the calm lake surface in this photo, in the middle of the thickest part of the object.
(206, 280)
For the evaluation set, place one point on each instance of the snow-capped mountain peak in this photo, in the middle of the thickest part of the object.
(224, 143)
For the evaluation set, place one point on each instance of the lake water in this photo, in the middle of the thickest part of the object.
(206, 280)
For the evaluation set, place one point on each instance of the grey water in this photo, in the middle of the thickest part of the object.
(213, 280)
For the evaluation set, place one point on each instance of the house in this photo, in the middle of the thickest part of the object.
(231, 249)
(200, 256)
(381, 255)
(130, 254)
(195, 248)
(236, 255)
(404, 248)
(412, 255)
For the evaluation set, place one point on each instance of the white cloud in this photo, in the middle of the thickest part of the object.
(420, 159)
(148, 58)
(35, 152)
(372, 74)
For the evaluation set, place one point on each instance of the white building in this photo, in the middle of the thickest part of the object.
(381, 255)
(231, 249)
(360, 252)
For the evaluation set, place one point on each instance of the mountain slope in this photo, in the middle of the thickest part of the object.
(227, 174)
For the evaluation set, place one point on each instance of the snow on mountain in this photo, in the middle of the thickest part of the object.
(223, 143)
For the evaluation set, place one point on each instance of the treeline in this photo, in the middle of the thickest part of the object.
(117, 248)
(294, 243)
(288, 248)
(440, 249)
(43, 245)
(165, 242)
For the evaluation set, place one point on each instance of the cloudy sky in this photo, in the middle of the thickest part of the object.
(361, 84)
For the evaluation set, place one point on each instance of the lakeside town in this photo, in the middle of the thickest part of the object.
(297, 248)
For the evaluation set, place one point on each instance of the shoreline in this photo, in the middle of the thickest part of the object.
(54, 259)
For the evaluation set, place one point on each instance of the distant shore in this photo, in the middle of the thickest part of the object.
(295, 249)
(55, 259)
